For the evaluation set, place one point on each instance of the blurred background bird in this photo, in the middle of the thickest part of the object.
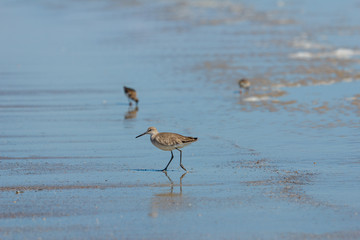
(245, 84)
(131, 94)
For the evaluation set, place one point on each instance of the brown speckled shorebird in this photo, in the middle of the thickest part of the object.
(131, 94)
(168, 141)
(245, 84)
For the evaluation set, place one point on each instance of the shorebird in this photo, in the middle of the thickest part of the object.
(131, 94)
(245, 84)
(168, 141)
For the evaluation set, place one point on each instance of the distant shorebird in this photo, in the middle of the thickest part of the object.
(131, 94)
(245, 84)
(168, 141)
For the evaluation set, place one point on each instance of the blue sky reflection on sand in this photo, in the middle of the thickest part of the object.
(279, 162)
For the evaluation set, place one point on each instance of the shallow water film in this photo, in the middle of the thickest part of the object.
(279, 160)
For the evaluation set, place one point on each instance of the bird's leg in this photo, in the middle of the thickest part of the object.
(180, 159)
(172, 156)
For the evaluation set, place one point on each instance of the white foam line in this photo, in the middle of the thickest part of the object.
(301, 55)
(341, 53)
(281, 86)
(256, 99)
(324, 83)
(305, 44)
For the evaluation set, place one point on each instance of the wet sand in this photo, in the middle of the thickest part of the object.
(280, 161)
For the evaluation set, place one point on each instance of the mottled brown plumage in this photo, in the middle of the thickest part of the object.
(131, 94)
(245, 84)
(172, 139)
(168, 141)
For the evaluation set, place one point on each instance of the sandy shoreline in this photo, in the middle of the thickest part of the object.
(278, 162)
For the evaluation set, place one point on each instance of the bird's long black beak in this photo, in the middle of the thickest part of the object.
(141, 135)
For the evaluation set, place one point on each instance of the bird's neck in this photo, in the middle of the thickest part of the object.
(153, 135)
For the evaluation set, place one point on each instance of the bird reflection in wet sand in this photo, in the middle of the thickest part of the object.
(169, 201)
(244, 84)
(131, 113)
(131, 94)
(172, 185)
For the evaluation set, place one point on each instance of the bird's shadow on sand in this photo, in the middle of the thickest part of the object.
(151, 170)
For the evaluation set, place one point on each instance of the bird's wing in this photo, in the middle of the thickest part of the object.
(173, 139)
(169, 138)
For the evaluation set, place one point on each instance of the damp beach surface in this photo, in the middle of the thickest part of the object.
(280, 161)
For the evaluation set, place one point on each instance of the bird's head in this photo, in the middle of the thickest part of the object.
(150, 130)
